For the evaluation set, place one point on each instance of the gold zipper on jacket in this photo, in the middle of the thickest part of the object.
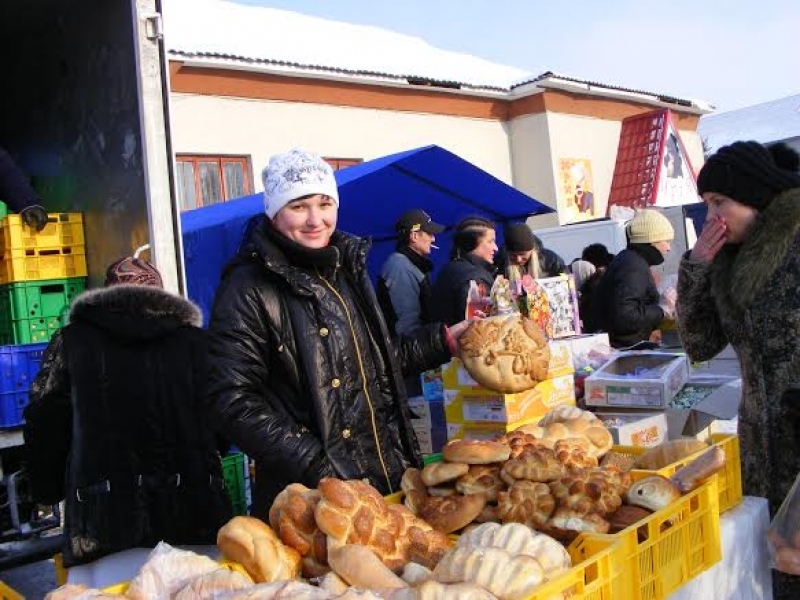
(363, 379)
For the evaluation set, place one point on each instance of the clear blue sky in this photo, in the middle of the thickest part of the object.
(730, 53)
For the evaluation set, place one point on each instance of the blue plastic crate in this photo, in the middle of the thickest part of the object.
(18, 367)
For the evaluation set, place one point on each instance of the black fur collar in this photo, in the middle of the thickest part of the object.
(137, 300)
(740, 272)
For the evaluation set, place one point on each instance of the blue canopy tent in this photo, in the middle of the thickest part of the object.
(371, 197)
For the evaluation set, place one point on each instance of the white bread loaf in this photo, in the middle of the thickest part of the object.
(167, 571)
(253, 544)
(212, 584)
(360, 567)
(515, 539)
(507, 576)
(433, 590)
(415, 574)
(653, 493)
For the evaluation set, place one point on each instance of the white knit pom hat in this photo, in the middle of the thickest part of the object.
(295, 174)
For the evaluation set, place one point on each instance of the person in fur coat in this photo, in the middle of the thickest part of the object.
(740, 285)
(116, 425)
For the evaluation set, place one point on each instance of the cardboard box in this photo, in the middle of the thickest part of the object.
(432, 384)
(477, 405)
(637, 428)
(456, 377)
(718, 413)
(482, 431)
(428, 422)
(637, 379)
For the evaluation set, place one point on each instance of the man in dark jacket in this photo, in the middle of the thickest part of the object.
(626, 302)
(116, 426)
(404, 287)
(550, 263)
(16, 192)
(304, 376)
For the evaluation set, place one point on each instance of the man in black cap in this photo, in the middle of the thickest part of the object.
(404, 287)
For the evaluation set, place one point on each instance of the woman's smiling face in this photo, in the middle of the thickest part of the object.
(310, 221)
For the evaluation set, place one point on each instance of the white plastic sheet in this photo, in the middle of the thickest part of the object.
(743, 573)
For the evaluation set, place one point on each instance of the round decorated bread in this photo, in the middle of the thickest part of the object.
(505, 353)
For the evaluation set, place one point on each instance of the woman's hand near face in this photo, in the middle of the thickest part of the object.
(710, 241)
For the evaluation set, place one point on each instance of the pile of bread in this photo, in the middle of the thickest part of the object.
(558, 477)
(510, 499)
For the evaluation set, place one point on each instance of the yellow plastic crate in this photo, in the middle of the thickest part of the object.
(682, 541)
(6, 593)
(594, 576)
(57, 263)
(62, 229)
(729, 479)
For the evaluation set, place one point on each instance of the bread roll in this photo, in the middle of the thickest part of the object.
(691, 475)
(412, 481)
(476, 452)
(505, 353)
(253, 544)
(506, 576)
(481, 479)
(360, 567)
(625, 516)
(653, 493)
(292, 518)
(452, 513)
(594, 432)
(667, 453)
(441, 472)
(213, 584)
(332, 583)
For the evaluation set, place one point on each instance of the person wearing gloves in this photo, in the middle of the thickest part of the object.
(739, 285)
(519, 245)
(404, 287)
(304, 376)
(471, 257)
(116, 421)
(16, 192)
(625, 302)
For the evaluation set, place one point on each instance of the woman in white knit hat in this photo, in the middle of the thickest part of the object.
(626, 302)
(304, 377)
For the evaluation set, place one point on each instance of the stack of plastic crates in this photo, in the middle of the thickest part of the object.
(236, 471)
(40, 274)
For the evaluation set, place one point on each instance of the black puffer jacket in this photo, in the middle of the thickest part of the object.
(625, 300)
(303, 375)
(452, 285)
(116, 425)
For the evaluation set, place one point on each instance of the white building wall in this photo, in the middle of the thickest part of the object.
(258, 128)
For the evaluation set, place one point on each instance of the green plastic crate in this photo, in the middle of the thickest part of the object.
(233, 467)
(31, 312)
(3, 210)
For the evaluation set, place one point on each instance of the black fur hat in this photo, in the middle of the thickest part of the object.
(518, 237)
(750, 173)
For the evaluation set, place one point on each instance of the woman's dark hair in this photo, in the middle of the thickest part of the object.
(467, 234)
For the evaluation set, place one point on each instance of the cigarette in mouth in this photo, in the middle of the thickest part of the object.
(434, 246)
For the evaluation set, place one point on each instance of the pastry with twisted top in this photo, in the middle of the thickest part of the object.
(505, 353)
(292, 518)
(527, 502)
(482, 479)
(533, 465)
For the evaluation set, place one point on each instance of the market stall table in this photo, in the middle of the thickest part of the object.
(743, 573)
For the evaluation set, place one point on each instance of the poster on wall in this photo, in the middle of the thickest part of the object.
(576, 201)
(676, 184)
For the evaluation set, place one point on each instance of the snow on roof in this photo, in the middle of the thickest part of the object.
(229, 35)
(226, 30)
(772, 121)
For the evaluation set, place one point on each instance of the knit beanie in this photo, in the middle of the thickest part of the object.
(649, 226)
(295, 174)
(518, 237)
(750, 173)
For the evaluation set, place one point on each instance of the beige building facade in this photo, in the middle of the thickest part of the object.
(531, 137)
